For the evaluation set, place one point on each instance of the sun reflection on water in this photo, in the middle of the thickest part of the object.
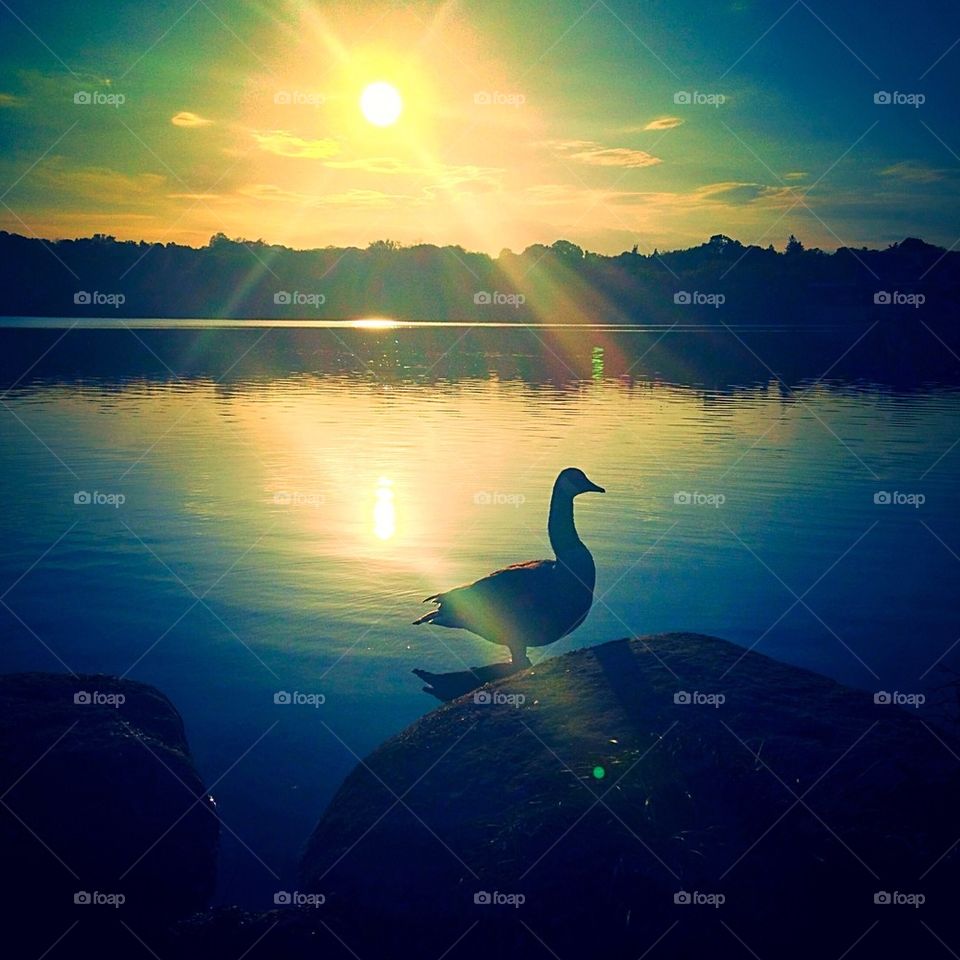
(374, 323)
(384, 514)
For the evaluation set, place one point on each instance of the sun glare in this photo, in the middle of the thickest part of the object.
(381, 104)
(374, 323)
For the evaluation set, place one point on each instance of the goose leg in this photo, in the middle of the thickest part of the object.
(518, 654)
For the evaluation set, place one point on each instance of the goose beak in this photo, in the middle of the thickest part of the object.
(593, 488)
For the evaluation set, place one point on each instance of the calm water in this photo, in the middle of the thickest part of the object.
(289, 495)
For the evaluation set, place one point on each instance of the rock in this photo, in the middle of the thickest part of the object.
(105, 823)
(672, 790)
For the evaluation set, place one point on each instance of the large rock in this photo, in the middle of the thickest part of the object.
(765, 825)
(101, 801)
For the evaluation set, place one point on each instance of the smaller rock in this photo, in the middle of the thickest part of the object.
(105, 823)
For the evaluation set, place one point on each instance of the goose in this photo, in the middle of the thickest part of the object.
(534, 603)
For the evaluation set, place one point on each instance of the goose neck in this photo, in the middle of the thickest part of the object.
(560, 526)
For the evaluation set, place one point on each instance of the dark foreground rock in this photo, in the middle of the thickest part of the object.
(106, 831)
(604, 803)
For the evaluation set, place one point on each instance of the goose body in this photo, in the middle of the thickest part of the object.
(535, 603)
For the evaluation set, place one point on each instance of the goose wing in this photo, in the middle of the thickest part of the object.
(492, 605)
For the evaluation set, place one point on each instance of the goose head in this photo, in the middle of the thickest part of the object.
(574, 481)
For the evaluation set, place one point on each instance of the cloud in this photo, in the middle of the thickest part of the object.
(271, 192)
(187, 119)
(795, 175)
(663, 123)
(444, 176)
(9, 100)
(912, 172)
(285, 144)
(591, 152)
(734, 193)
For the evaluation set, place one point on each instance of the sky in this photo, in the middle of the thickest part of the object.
(607, 123)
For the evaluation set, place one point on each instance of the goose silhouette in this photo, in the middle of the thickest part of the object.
(535, 603)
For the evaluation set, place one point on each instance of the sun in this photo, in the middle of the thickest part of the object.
(381, 104)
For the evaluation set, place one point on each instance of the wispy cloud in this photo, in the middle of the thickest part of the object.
(187, 119)
(10, 100)
(663, 123)
(912, 172)
(285, 144)
(591, 152)
(444, 176)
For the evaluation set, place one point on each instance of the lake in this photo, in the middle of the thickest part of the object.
(234, 510)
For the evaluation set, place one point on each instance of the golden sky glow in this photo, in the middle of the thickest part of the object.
(517, 124)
